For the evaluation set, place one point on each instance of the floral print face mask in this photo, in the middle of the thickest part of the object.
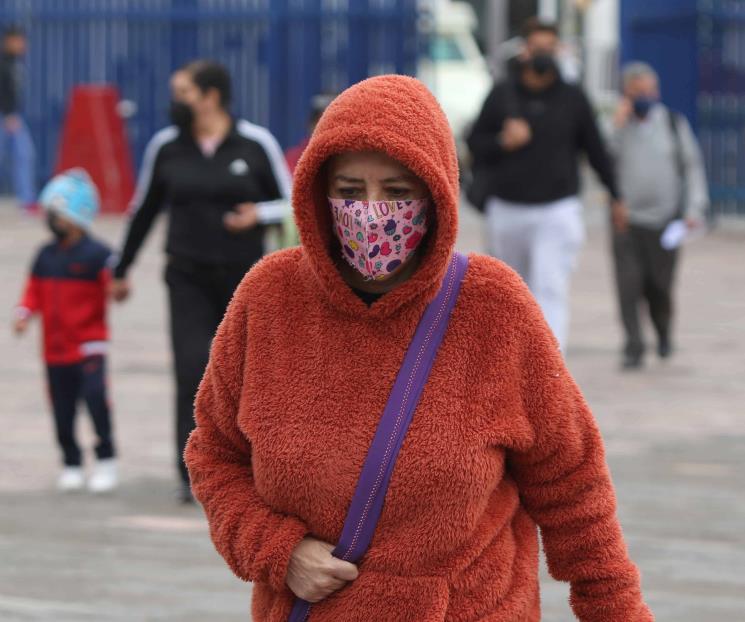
(377, 237)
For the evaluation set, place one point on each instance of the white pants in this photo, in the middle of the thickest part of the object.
(541, 242)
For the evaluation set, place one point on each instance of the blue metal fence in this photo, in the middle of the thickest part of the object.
(280, 53)
(698, 47)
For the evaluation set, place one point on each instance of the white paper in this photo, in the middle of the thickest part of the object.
(674, 235)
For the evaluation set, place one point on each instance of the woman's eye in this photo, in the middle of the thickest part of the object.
(348, 192)
(398, 193)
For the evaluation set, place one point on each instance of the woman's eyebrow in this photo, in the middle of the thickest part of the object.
(350, 180)
(397, 178)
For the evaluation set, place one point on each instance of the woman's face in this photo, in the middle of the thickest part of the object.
(182, 88)
(185, 91)
(375, 176)
(372, 176)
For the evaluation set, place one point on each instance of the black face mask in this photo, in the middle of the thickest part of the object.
(54, 226)
(642, 106)
(181, 115)
(543, 63)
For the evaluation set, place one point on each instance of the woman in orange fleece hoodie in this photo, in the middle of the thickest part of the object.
(501, 442)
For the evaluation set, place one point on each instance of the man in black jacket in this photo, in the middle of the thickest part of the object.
(13, 129)
(526, 145)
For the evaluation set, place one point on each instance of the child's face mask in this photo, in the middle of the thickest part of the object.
(377, 237)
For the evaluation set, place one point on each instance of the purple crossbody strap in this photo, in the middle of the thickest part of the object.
(367, 502)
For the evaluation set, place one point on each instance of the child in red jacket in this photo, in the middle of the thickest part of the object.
(68, 289)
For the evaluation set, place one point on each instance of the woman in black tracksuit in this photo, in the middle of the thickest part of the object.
(222, 180)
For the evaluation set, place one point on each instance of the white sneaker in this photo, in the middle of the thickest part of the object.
(71, 479)
(105, 476)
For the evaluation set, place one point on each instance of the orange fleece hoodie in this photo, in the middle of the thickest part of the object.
(501, 442)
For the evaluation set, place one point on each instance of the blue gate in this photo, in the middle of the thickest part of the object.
(698, 47)
(280, 53)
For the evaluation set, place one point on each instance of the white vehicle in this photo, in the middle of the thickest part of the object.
(455, 70)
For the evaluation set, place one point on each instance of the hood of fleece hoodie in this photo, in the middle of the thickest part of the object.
(400, 117)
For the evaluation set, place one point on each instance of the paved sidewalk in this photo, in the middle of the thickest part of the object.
(675, 437)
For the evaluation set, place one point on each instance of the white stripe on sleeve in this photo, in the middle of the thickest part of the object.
(145, 178)
(274, 211)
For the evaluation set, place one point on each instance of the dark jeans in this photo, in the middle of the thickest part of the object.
(198, 295)
(644, 272)
(68, 384)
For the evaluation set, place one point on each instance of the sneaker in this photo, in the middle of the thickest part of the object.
(105, 476)
(71, 479)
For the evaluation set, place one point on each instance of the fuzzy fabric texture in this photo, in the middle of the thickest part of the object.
(501, 442)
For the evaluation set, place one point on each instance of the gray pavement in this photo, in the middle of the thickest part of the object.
(675, 438)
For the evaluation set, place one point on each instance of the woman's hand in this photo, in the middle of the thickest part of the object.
(314, 573)
(119, 289)
(245, 217)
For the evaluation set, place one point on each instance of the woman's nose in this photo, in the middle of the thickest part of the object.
(376, 195)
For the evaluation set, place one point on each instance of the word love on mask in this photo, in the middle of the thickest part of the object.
(377, 237)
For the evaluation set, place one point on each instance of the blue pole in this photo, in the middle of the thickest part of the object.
(185, 32)
(279, 70)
